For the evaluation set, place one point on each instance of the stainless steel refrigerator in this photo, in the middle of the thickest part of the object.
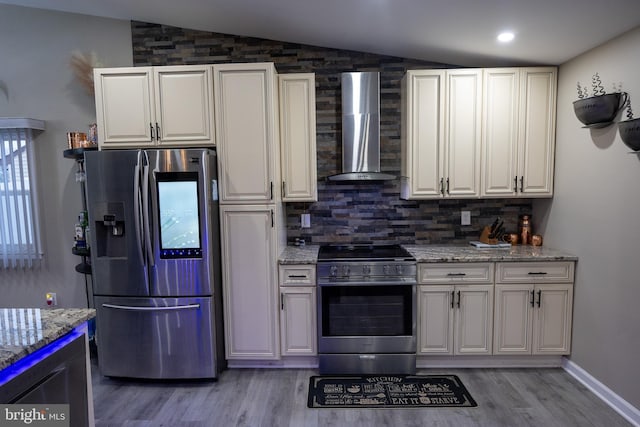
(155, 254)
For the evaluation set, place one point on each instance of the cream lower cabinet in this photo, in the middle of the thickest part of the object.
(533, 308)
(518, 137)
(167, 106)
(441, 133)
(455, 309)
(250, 282)
(298, 310)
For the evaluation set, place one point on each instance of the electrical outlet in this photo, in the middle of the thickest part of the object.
(465, 217)
(52, 301)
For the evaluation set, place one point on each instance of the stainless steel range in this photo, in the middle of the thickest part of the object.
(366, 310)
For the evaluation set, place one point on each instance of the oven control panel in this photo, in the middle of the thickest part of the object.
(366, 271)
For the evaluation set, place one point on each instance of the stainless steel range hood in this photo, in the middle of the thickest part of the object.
(361, 128)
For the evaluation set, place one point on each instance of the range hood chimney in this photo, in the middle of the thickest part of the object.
(361, 128)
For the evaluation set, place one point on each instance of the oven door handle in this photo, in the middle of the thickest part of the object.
(405, 282)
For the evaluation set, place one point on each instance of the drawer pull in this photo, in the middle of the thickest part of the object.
(537, 273)
(298, 276)
(456, 274)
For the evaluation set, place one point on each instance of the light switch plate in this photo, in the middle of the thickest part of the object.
(305, 220)
(465, 217)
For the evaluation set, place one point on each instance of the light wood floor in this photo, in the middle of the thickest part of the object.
(278, 398)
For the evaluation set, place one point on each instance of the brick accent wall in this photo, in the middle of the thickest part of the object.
(344, 212)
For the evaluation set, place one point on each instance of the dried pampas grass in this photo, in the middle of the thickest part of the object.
(82, 65)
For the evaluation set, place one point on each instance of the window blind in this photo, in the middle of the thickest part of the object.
(19, 226)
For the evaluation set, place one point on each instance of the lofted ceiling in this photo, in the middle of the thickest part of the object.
(460, 32)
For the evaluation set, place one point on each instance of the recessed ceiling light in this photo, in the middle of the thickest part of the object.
(506, 37)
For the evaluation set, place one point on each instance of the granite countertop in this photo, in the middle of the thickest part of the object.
(442, 253)
(468, 253)
(307, 254)
(25, 330)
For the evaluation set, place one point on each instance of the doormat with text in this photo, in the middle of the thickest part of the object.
(388, 391)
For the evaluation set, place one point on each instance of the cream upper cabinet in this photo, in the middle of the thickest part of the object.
(422, 134)
(246, 112)
(297, 94)
(154, 106)
(183, 105)
(533, 308)
(124, 107)
(441, 133)
(250, 282)
(463, 116)
(518, 138)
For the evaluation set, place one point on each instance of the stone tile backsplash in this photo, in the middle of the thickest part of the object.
(344, 212)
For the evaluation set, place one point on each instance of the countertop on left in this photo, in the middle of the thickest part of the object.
(307, 254)
(25, 330)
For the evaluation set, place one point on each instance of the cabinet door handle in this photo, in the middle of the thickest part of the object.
(284, 188)
(515, 184)
(271, 190)
(448, 186)
(281, 301)
(522, 184)
(442, 186)
(533, 298)
(458, 299)
(539, 298)
(272, 219)
(157, 131)
(151, 129)
(453, 298)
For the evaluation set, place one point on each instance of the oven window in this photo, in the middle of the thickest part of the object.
(367, 310)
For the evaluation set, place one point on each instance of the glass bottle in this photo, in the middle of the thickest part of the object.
(81, 230)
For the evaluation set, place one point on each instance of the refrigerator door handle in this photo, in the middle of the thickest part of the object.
(137, 206)
(145, 214)
(138, 308)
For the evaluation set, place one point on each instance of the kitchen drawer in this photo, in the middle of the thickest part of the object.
(297, 275)
(445, 273)
(535, 272)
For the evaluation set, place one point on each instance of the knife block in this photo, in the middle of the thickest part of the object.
(484, 236)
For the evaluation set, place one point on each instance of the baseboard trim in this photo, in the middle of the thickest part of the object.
(617, 403)
(288, 362)
(498, 361)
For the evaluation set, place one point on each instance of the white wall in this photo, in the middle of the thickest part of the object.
(595, 214)
(35, 47)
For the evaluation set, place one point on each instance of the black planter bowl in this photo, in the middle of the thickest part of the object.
(630, 133)
(599, 109)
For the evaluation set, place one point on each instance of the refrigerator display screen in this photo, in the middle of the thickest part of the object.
(178, 203)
